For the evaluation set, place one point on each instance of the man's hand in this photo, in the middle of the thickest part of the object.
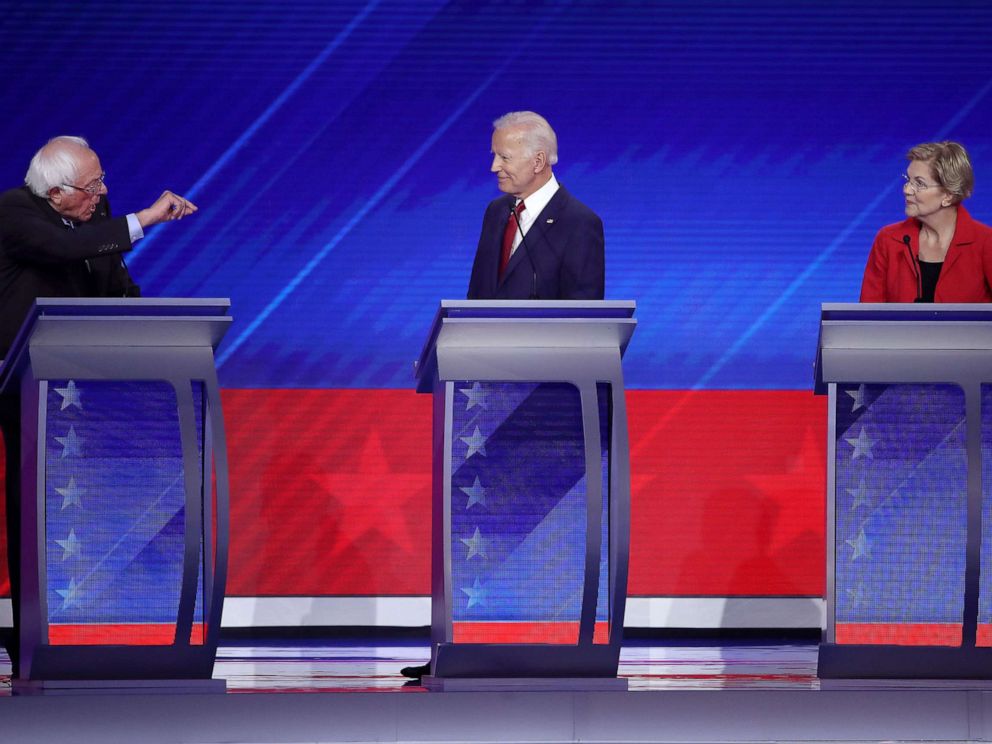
(167, 207)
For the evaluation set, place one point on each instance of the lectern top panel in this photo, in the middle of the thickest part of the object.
(132, 306)
(529, 314)
(537, 308)
(885, 327)
(116, 321)
(905, 311)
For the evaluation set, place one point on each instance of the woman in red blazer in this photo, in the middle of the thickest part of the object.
(938, 254)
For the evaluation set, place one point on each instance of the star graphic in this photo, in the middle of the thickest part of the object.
(476, 443)
(70, 546)
(366, 507)
(476, 594)
(70, 396)
(858, 595)
(860, 545)
(476, 396)
(858, 396)
(476, 545)
(70, 494)
(476, 493)
(70, 444)
(860, 495)
(787, 488)
(862, 445)
(70, 595)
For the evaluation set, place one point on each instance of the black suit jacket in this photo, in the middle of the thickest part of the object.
(565, 249)
(40, 256)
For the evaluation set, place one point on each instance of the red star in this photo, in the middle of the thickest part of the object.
(375, 509)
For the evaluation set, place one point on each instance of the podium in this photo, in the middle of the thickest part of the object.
(123, 492)
(909, 490)
(531, 494)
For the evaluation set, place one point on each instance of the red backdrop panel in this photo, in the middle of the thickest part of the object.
(330, 492)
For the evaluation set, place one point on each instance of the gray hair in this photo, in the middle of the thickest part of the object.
(54, 165)
(536, 135)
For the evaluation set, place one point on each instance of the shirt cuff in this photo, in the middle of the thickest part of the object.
(135, 228)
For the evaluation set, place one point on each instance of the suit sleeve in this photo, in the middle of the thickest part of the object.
(484, 261)
(876, 270)
(583, 271)
(110, 278)
(30, 238)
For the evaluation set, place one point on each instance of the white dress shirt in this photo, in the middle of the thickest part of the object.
(533, 206)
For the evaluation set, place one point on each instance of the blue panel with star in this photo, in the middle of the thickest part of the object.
(519, 502)
(985, 593)
(115, 502)
(900, 503)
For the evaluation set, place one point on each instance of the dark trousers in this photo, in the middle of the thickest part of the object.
(10, 423)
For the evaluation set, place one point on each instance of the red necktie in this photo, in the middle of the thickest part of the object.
(508, 235)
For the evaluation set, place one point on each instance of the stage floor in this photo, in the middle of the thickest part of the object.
(278, 667)
(679, 691)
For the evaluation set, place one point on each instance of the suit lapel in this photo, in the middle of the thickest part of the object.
(537, 234)
(964, 236)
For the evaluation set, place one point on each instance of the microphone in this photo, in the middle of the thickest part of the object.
(907, 241)
(523, 243)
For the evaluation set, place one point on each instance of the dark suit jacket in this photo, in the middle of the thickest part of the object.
(565, 248)
(40, 256)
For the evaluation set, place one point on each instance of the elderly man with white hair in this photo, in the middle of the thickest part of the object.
(538, 241)
(57, 238)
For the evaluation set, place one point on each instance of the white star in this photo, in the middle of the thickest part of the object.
(858, 595)
(70, 396)
(476, 396)
(860, 545)
(476, 594)
(476, 545)
(70, 444)
(70, 595)
(70, 546)
(476, 443)
(862, 445)
(858, 396)
(70, 494)
(476, 493)
(860, 495)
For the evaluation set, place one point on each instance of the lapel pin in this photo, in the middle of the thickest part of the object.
(551, 222)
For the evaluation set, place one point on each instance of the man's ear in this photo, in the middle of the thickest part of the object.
(55, 195)
(540, 161)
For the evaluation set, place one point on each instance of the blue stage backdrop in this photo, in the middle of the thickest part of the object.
(741, 154)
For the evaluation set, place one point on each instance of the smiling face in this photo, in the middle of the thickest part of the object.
(923, 195)
(517, 172)
(76, 203)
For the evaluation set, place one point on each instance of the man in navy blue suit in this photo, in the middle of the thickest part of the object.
(558, 256)
(538, 241)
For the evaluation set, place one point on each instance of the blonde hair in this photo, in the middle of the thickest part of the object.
(949, 165)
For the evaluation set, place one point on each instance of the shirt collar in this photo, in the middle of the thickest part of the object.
(536, 202)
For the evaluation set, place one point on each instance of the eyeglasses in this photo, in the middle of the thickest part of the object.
(917, 185)
(94, 187)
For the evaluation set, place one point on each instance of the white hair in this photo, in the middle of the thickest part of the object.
(537, 134)
(54, 165)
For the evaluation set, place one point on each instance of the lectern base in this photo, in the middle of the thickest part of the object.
(837, 661)
(117, 686)
(524, 684)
